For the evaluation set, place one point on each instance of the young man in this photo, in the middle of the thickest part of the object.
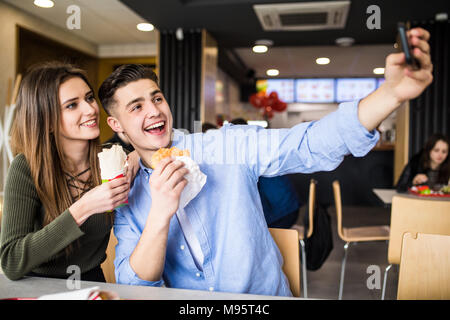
(220, 240)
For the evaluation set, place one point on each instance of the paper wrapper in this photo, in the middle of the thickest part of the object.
(196, 180)
(93, 293)
(112, 164)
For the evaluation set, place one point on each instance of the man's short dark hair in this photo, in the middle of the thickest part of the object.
(238, 121)
(119, 78)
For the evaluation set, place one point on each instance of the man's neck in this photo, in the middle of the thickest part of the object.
(146, 158)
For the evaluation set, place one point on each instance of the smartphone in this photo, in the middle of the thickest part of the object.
(404, 46)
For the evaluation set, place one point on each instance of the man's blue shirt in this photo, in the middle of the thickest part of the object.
(239, 254)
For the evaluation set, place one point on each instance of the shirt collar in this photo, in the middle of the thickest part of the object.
(144, 169)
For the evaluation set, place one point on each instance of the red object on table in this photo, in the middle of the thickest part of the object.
(435, 195)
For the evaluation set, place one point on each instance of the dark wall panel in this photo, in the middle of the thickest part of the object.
(180, 75)
(430, 112)
(357, 177)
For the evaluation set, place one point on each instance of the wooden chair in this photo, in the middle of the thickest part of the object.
(414, 214)
(424, 267)
(108, 265)
(354, 235)
(287, 242)
(301, 232)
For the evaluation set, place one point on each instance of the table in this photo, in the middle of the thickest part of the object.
(35, 286)
(386, 195)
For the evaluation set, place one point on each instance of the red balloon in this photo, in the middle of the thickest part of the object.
(279, 106)
(273, 95)
(265, 102)
(268, 112)
(256, 100)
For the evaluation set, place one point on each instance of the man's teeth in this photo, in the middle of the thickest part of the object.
(156, 125)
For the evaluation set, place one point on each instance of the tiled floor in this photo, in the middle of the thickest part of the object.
(324, 283)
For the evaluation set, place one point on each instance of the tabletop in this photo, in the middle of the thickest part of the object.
(32, 287)
(386, 196)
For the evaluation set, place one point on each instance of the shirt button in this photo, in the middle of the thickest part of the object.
(198, 274)
(211, 289)
(182, 247)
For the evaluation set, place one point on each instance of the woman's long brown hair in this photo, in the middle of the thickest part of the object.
(35, 134)
(444, 168)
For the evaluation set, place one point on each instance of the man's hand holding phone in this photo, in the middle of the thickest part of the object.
(405, 82)
(402, 82)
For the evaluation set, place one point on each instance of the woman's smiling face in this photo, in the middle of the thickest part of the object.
(439, 153)
(79, 112)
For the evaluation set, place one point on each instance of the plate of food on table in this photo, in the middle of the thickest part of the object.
(426, 191)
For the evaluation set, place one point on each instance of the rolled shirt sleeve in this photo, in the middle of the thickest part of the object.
(127, 240)
(305, 148)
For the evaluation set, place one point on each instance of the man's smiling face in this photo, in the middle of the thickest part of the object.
(142, 113)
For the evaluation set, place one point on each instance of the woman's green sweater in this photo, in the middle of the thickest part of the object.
(28, 246)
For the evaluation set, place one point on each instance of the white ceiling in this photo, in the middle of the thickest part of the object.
(354, 61)
(103, 22)
(111, 26)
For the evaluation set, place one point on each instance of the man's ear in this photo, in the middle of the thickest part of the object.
(114, 124)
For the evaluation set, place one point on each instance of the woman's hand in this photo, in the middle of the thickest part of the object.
(420, 179)
(102, 198)
(133, 166)
(166, 184)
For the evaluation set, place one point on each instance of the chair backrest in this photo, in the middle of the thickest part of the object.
(108, 265)
(311, 206)
(424, 267)
(287, 242)
(411, 214)
(338, 205)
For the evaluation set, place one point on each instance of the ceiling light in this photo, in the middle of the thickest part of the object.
(378, 70)
(260, 49)
(345, 41)
(272, 72)
(264, 42)
(441, 16)
(322, 60)
(44, 3)
(145, 27)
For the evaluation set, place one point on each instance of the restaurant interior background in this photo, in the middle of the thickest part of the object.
(202, 52)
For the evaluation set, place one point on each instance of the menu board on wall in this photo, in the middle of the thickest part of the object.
(348, 89)
(284, 88)
(314, 90)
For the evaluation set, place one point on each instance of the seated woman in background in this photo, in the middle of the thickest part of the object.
(54, 203)
(431, 166)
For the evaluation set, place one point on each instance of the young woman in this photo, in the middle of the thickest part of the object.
(431, 166)
(54, 203)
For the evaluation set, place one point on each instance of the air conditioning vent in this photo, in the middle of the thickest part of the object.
(303, 16)
(302, 19)
(268, 21)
